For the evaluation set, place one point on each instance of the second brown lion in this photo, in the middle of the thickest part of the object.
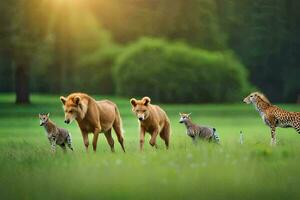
(152, 119)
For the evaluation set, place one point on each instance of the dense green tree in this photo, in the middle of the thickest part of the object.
(264, 33)
(192, 21)
(6, 70)
(22, 33)
(177, 73)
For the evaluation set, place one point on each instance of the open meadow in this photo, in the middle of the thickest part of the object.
(254, 170)
(189, 56)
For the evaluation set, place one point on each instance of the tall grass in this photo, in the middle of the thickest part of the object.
(254, 170)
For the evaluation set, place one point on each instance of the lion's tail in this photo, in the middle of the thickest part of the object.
(118, 121)
(119, 128)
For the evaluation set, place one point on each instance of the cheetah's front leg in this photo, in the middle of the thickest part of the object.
(273, 135)
(271, 121)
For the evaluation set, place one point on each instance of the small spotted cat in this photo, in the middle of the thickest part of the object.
(56, 136)
(198, 131)
(272, 115)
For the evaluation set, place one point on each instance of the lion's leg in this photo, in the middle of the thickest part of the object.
(110, 140)
(85, 140)
(165, 134)
(142, 138)
(97, 130)
(152, 141)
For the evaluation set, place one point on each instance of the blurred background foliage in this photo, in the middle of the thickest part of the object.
(172, 50)
(179, 73)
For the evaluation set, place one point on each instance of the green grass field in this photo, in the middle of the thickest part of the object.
(254, 170)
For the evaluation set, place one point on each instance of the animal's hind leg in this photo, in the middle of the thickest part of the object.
(297, 127)
(118, 129)
(296, 123)
(110, 140)
(165, 135)
(63, 146)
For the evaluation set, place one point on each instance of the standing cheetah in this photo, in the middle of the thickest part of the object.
(272, 115)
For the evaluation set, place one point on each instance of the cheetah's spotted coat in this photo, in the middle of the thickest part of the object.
(272, 115)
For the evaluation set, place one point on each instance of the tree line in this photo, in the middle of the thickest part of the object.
(59, 46)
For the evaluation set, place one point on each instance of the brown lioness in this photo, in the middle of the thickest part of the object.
(152, 119)
(93, 117)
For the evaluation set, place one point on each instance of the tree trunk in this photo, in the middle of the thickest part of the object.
(22, 83)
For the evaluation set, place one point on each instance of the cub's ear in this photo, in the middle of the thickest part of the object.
(146, 100)
(189, 114)
(63, 100)
(133, 102)
(48, 114)
(77, 100)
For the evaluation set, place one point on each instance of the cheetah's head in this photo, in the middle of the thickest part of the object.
(252, 98)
